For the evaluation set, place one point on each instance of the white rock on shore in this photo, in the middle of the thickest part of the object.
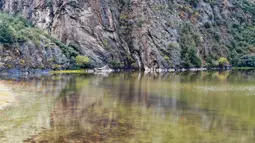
(105, 68)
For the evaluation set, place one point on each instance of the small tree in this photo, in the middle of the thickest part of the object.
(82, 61)
(223, 62)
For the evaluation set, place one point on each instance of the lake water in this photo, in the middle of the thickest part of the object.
(187, 107)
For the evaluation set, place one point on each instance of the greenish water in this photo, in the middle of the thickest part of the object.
(188, 107)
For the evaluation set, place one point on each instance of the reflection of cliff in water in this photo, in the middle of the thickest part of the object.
(115, 108)
(165, 95)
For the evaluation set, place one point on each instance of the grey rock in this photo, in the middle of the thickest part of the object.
(140, 34)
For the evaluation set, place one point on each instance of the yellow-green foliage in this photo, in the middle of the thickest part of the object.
(223, 61)
(69, 72)
(123, 16)
(82, 61)
(166, 58)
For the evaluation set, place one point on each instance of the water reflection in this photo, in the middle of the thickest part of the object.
(137, 107)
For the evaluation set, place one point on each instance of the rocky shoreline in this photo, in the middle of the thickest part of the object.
(105, 69)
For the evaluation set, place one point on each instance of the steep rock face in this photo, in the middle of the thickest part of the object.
(185, 33)
(27, 56)
(139, 33)
(85, 25)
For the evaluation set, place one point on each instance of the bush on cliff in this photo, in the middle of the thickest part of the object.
(189, 40)
(246, 61)
(223, 62)
(15, 29)
(7, 35)
(82, 61)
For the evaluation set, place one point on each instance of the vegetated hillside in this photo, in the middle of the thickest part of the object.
(23, 47)
(148, 33)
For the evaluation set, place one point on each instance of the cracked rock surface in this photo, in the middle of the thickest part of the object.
(136, 33)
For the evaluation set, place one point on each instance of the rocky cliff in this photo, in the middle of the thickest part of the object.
(23, 47)
(146, 33)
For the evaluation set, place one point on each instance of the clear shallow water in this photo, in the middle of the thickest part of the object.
(191, 107)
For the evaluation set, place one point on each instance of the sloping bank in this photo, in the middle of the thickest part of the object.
(25, 48)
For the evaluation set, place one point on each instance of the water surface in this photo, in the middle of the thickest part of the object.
(188, 107)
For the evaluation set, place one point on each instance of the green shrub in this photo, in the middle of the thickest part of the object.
(207, 25)
(15, 29)
(210, 62)
(123, 16)
(67, 50)
(140, 23)
(82, 61)
(194, 59)
(246, 61)
(125, 2)
(210, 1)
(7, 35)
(193, 2)
(243, 39)
(116, 64)
(223, 61)
(167, 58)
(189, 40)
(49, 3)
